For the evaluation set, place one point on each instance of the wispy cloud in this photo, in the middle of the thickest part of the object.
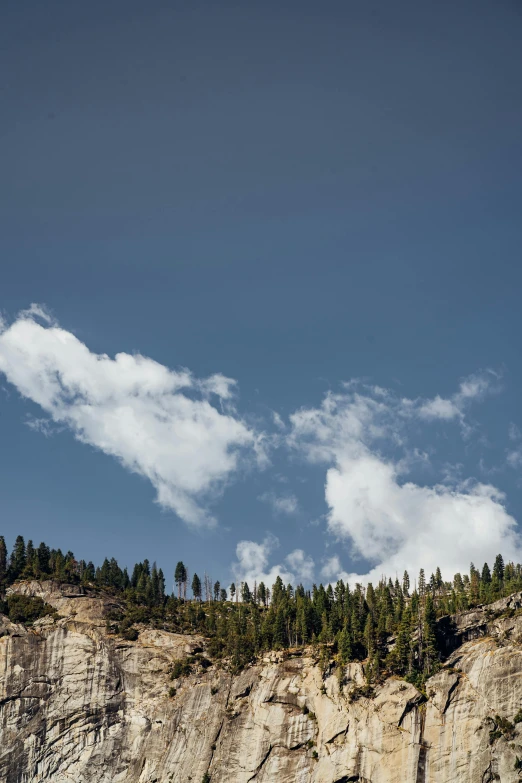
(157, 422)
(281, 504)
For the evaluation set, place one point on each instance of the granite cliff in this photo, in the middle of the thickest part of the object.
(80, 705)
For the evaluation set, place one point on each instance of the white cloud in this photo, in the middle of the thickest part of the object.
(392, 523)
(439, 408)
(331, 567)
(475, 387)
(134, 409)
(301, 564)
(253, 564)
(514, 458)
(514, 432)
(281, 504)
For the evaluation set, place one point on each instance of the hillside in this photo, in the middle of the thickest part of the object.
(78, 703)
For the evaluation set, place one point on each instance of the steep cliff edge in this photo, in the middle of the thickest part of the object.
(77, 704)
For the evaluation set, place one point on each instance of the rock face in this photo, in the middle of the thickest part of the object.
(78, 705)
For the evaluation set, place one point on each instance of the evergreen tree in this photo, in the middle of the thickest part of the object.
(406, 584)
(498, 568)
(429, 637)
(196, 587)
(18, 559)
(154, 578)
(30, 559)
(345, 645)
(3, 564)
(180, 576)
(217, 588)
(280, 629)
(401, 652)
(261, 593)
(486, 574)
(369, 637)
(246, 595)
(43, 556)
(232, 591)
(422, 582)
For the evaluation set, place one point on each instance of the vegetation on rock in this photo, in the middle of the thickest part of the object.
(390, 626)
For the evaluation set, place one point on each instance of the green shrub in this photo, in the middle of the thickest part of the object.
(130, 634)
(180, 668)
(26, 609)
(172, 692)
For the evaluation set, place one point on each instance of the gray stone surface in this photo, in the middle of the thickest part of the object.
(77, 705)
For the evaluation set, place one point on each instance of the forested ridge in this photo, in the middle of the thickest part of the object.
(392, 626)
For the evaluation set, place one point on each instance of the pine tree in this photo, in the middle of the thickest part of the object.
(369, 637)
(217, 588)
(180, 576)
(458, 584)
(498, 568)
(280, 629)
(401, 651)
(161, 584)
(30, 559)
(261, 593)
(246, 595)
(422, 582)
(345, 645)
(438, 580)
(43, 556)
(429, 637)
(232, 591)
(406, 584)
(3, 564)
(475, 585)
(18, 559)
(196, 587)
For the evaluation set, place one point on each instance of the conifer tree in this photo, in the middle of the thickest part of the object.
(180, 576)
(196, 587)
(246, 595)
(429, 637)
(18, 559)
(261, 593)
(369, 637)
(401, 652)
(422, 582)
(345, 645)
(498, 568)
(29, 558)
(279, 629)
(43, 556)
(3, 564)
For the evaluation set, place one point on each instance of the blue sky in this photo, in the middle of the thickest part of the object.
(292, 196)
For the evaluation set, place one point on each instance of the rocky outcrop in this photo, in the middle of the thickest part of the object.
(77, 704)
